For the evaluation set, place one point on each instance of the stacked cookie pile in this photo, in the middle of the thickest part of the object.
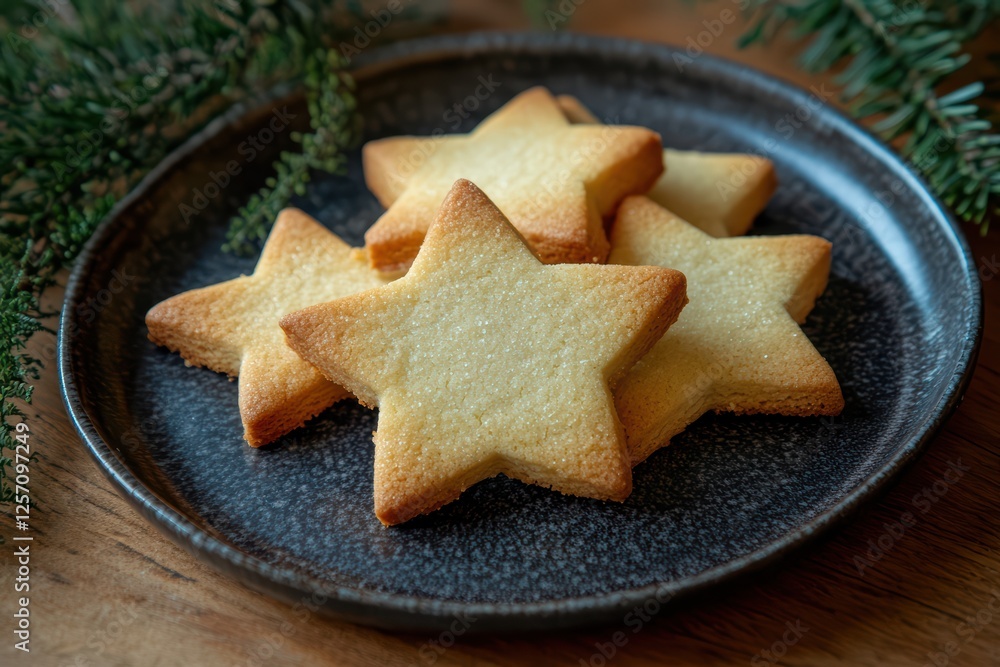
(500, 328)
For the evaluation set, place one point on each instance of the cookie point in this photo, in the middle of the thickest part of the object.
(465, 186)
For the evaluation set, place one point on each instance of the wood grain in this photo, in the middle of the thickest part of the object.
(107, 589)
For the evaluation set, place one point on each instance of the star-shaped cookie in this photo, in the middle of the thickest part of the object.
(482, 360)
(553, 180)
(720, 193)
(737, 347)
(233, 327)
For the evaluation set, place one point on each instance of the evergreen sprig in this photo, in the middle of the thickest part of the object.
(334, 128)
(93, 94)
(897, 58)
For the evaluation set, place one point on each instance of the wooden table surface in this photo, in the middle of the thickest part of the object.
(107, 589)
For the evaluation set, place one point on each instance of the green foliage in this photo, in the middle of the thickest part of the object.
(95, 93)
(896, 58)
(334, 128)
(549, 14)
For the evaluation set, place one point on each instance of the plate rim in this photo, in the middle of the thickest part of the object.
(400, 611)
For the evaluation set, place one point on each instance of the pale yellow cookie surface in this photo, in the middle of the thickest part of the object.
(553, 180)
(720, 193)
(737, 347)
(482, 360)
(233, 327)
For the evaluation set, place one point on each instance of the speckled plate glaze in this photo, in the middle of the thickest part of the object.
(900, 324)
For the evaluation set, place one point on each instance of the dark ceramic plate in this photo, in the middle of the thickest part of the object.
(899, 323)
